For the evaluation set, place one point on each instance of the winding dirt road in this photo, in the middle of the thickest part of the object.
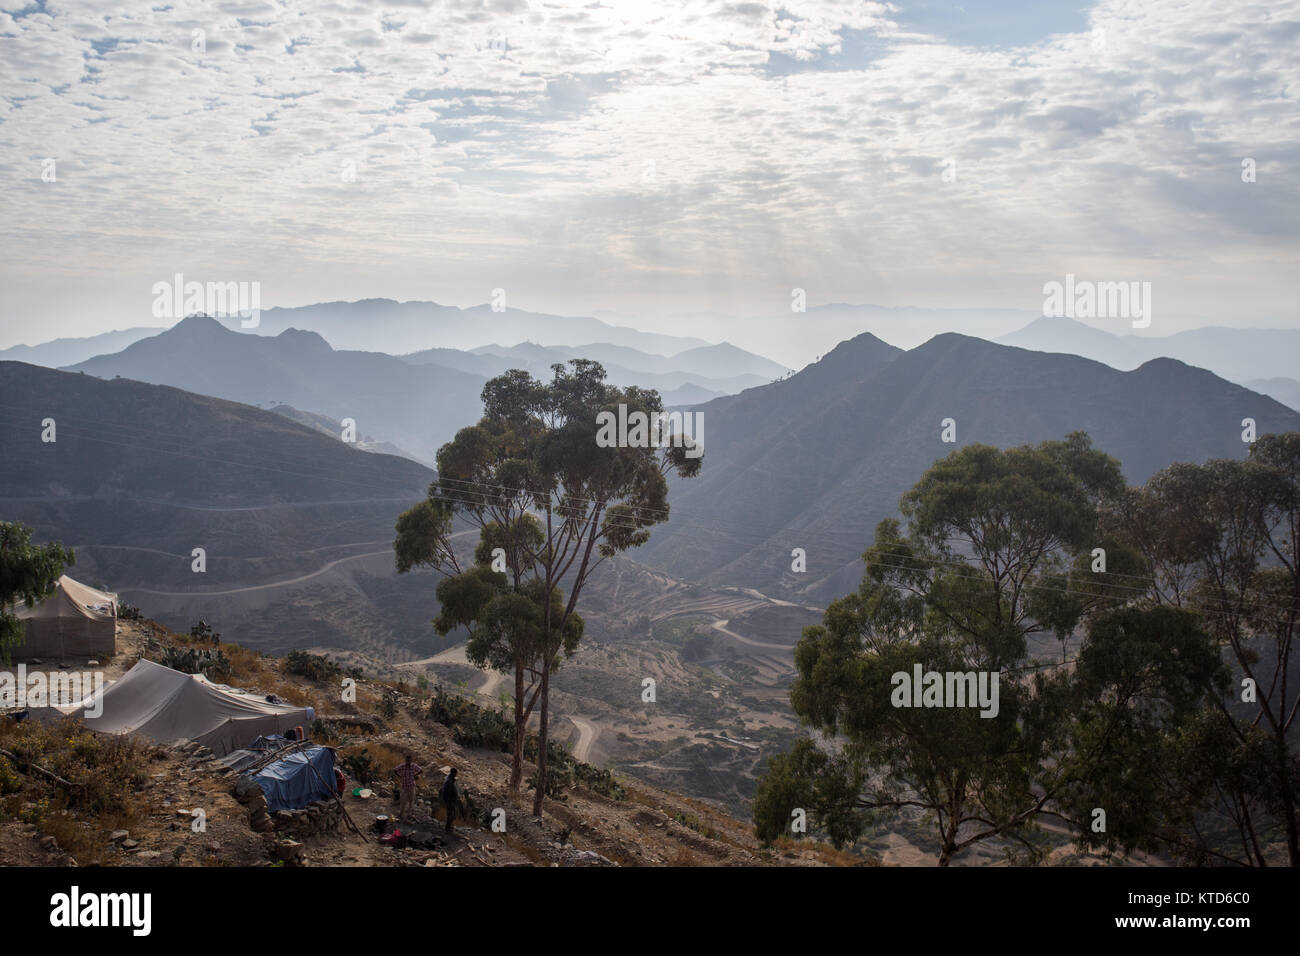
(721, 625)
(587, 734)
(275, 584)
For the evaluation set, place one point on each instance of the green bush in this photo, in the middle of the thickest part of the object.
(472, 725)
(564, 772)
(360, 767)
(128, 612)
(10, 782)
(312, 666)
(325, 729)
(203, 633)
(212, 664)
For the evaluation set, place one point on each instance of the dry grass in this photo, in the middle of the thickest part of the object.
(293, 693)
(684, 857)
(103, 772)
(245, 666)
(822, 852)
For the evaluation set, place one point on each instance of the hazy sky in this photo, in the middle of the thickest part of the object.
(648, 157)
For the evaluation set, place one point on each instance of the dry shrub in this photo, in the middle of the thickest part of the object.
(822, 852)
(294, 694)
(104, 772)
(683, 857)
(245, 666)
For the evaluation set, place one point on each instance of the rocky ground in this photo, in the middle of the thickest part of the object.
(184, 811)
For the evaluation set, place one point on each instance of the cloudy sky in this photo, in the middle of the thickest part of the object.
(648, 158)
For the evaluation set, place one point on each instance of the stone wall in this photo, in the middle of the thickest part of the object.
(317, 818)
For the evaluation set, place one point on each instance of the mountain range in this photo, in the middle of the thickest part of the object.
(414, 407)
(296, 526)
(688, 377)
(816, 461)
(811, 461)
(404, 327)
(69, 351)
(1239, 355)
(414, 402)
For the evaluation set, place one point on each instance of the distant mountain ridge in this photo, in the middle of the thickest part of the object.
(816, 461)
(296, 527)
(414, 402)
(1239, 355)
(716, 361)
(414, 407)
(714, 369)
(328, 426)
(69, 351)
(1285, 390)
(403, 327)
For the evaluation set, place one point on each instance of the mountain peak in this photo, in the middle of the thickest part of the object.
(198, 323)
(853, 357)
(306, 339)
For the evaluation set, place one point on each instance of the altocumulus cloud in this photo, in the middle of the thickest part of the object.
(639, 149)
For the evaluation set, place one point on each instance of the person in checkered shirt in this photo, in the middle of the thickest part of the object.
(407, 773)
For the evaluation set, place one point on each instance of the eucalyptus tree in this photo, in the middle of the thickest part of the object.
(537, 483)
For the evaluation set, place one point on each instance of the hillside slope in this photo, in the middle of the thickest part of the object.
(718, 369)
(1237, 354)
(68, 351)
(816, 461)
(149, 798)
(296, 526)
(417, 408)
(402, 327)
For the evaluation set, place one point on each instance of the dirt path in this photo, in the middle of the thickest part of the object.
(274, 584)
(251, 557)
(452, 655)
(587, 734)
(260, 587)
(721, 625)
(456, 655)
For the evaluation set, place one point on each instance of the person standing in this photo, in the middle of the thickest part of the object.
(450, 797)
(407, 773)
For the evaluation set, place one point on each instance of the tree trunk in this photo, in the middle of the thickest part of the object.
(1287, 798)
(521, 730)
(542, 737)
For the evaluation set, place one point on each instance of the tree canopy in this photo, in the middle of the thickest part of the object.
(1165, 725)
(550, 504)
(28, 573)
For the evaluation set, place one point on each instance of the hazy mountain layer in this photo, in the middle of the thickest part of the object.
(414, 407)
(1239, 355)
(815, 462)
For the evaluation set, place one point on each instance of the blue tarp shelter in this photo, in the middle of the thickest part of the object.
(258, 749)
(297, 779)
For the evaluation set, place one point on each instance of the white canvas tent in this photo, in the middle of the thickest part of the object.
(165, 705)
(74, 621)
